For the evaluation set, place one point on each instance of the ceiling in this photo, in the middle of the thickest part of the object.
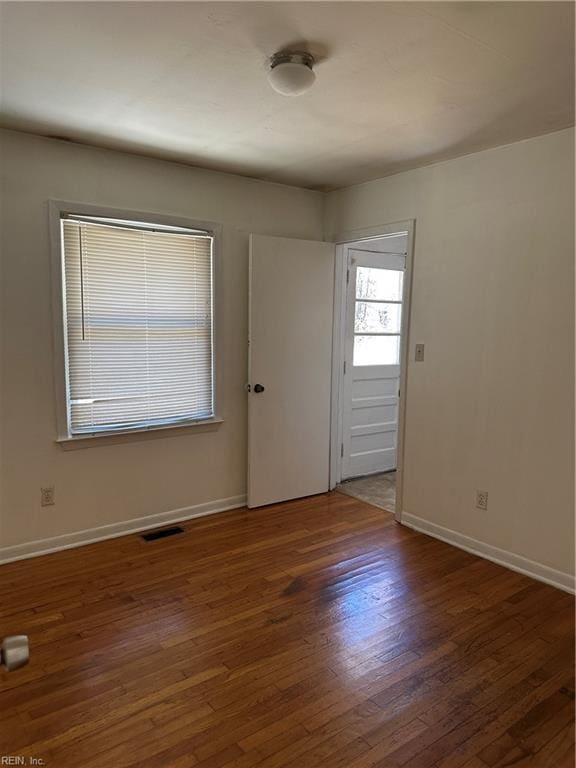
(399, 85)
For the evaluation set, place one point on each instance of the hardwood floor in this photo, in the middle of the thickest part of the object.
(312, 634)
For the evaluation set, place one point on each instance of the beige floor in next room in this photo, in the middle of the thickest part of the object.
(378, 490)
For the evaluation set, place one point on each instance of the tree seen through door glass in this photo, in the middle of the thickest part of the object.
(377, 317)
(377, 283)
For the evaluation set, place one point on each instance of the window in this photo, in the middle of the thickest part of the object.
(138, 324)
(378, 313)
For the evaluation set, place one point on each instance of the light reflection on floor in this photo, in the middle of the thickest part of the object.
(361, 603)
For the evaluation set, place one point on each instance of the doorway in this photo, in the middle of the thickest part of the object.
(301, 293)
(369, 351)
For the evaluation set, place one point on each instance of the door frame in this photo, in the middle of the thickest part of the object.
(341, 240)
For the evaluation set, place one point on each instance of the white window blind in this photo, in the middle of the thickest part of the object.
(138, 303)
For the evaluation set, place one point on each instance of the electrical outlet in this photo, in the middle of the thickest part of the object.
(482, 500)
(47, 496)
(419, 353)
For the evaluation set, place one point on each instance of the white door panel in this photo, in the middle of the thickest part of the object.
(376, 437)
(370, 463)
(381, 413)
(290, 355)
(372, 429)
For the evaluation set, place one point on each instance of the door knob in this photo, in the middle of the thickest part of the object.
(258, 388)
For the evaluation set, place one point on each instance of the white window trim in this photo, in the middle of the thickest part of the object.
(59, 208)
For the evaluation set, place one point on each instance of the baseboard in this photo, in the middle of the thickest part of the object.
(91, 535)
(559, 579)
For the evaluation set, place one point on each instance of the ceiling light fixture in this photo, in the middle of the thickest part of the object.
(291, 72)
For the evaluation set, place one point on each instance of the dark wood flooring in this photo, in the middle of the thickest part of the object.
(312, 634)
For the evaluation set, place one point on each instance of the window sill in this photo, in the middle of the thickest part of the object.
(137, 435)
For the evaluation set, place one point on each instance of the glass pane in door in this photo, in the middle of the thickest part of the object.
(377, 317)
(376, 350)
(377, 283)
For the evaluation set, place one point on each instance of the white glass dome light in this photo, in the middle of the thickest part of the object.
(291, 72)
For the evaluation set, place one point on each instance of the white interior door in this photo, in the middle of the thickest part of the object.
(290, 358)
(372, 354)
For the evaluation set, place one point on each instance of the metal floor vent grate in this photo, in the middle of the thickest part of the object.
(153, 535)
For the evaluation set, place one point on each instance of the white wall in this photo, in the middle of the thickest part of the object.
(492, 406)
(113, 483)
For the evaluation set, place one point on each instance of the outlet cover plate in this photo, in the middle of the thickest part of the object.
(482, 500)
(47, 496)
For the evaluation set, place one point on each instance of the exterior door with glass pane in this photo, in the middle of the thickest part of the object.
(372, 368)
